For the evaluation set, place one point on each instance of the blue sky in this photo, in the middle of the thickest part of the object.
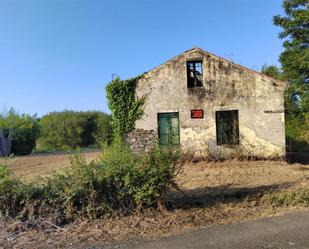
(60, 54)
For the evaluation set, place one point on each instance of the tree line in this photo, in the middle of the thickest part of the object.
(56, 131)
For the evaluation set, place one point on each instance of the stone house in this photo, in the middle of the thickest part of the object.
(209, 105)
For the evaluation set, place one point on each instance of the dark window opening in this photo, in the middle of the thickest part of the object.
(168, 128)
(227, 127)
(194, 74)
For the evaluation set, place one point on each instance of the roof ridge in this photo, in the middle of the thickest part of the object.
(219, 57)
(236, 64)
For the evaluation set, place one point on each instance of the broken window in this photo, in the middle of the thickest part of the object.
(227, 127)
(168, 128)
(194, 74)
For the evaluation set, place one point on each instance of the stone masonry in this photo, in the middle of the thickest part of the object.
(141, 140)
(226, 86)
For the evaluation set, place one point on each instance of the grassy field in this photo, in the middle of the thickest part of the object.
(210, 193)
(41, 165)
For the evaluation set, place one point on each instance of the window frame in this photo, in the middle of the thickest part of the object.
(220, 142)
(169, 115)
(195, 80)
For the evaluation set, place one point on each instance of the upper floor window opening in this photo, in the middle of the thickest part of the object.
(194, 74)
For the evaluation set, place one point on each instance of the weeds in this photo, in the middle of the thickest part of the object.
(119, 182)
(287, 198)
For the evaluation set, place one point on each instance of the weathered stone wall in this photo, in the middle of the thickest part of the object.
(226, 86)
(141, 140)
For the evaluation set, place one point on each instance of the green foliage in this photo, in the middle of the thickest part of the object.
(295, 69)
(288, 198)
(11, 193)
(295, 58)
(126, 108)
(70, 129)
(119, 182)
(25, 131)
(272, 71)
(297, 133)
(103, 131)
(4, 172)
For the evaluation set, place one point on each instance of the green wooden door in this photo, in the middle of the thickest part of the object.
(168, 128)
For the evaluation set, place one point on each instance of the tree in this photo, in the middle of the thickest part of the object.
(25, 130)
(272, 71)
(295, 58)
(291, 96)
(72, 129)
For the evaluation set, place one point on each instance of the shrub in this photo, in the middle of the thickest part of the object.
(70, 129)
(297, 133)
(119, 182)
(25, 131)
(103, 131)
(288, 198)
(10, 193)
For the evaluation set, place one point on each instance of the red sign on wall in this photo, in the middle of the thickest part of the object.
(199, 113)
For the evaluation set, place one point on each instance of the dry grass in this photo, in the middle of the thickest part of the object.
(211, 193)
(40, 165)
(242, 174)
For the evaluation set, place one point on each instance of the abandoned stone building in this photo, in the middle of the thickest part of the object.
(209, 105)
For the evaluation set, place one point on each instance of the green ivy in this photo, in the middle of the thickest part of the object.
(126, 108)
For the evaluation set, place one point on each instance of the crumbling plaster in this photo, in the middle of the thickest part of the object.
(226, 86)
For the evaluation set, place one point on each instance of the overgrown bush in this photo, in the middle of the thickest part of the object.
(297, 132)
(119, 182)
(70, 129)
(25, 131)
(11, 192)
